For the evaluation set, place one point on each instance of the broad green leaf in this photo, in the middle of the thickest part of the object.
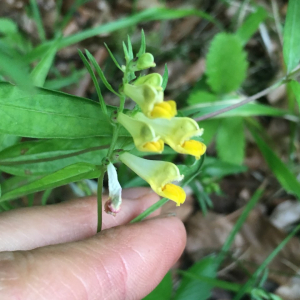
(210, 129)
(250, 26)
(152, 14)
(64, 176)
(288, 181)
(143, 44)
(163, 291)
(7, 140)
(8, 26)
(44, 157)
(201, 97)
(291, 35)
(49, 114)
(15, 68)
(41, 70)
(247, 110)
(193, 289)
(231, 140)
(295, 85)
(226, 63)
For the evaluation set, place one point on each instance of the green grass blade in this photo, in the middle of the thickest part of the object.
(288, 181)
(274, 253)
(38, 20)
(40, 72)
(237, 227)
(250, 26)
(151, 14)
(291, 35)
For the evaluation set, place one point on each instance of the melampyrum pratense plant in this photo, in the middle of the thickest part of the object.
(151, 124)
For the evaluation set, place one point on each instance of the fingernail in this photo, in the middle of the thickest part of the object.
(136, 193)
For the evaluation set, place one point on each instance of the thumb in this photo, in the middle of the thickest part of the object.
(125, 262)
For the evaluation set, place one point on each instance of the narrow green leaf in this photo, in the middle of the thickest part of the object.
(40, 72)
(152, 14)
(130, 52)
(100, 72)
(165, 77)
(49, 114)
(226, 64)
(295, 85)
(247, 110)
(45, 157)
(143, 44)
(231, 140)
(163, 291)
(95, 81)
(126, 53)
(38, 20)
(291, 35)
(61, 82)
(113, 58)
(251, 25)
(64, 176)
(288, 181)
(192, 289)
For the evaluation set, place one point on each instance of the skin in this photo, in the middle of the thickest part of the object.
(53, 252)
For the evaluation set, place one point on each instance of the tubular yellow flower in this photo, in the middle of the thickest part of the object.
(159, 174)
(177, 133)
(148, 94)
(143, 135)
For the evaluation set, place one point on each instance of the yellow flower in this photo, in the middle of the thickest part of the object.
(177, 133)
(159, 174)
(143, 135)
(148, 94)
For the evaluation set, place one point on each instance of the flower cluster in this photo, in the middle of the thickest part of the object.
(155, 126)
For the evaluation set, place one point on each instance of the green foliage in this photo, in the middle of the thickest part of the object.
(64, 176)
(226, 63)
(231, 140)
(165, 77)
(49, 114)
(280, 170)
(163, 290)
(40, 72)
(250, 26)
(7, 26)
(295, 85)
(200, 96)
(191, 288)
(291, 45)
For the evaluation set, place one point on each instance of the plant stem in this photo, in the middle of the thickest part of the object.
(250, 99)
(99, 198)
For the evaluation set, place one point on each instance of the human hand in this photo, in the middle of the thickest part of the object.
(64, 259)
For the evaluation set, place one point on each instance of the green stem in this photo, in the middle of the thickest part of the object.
(99, 198)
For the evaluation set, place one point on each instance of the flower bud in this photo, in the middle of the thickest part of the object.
(145, 61)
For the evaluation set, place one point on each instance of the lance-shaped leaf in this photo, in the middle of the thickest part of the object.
(64, 176)
(48, 114)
